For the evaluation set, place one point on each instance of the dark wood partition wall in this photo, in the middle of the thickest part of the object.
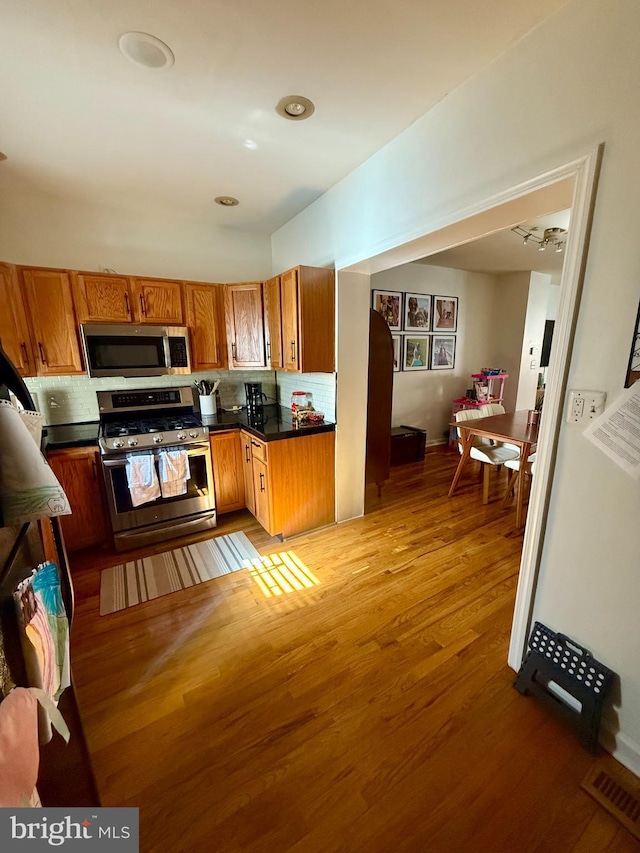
(378, 458)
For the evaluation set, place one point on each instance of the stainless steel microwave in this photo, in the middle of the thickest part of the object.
(112, 350)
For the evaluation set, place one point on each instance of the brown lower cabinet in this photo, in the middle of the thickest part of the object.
(79, 472)
(293, 482)
(228, 474)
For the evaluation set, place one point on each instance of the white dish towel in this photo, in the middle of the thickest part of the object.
(174, 472)
(142, 479)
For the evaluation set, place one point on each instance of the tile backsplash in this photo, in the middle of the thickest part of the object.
(72, 399)
(321, 385)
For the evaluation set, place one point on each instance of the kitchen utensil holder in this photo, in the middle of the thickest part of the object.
(554, 658)
(208, 404)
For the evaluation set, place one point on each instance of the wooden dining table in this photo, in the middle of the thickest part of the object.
(512, 428)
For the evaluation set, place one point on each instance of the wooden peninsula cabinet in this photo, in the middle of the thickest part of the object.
(293, 482)
(79, 472)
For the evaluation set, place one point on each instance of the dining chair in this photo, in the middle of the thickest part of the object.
(514, 465)
(486, 450)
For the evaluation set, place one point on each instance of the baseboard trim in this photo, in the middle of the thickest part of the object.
(623, 749)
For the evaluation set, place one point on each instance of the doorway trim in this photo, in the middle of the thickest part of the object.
(584, 171)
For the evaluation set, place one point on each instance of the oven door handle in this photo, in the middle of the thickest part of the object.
(121, 461)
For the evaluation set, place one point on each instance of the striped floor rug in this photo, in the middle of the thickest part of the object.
(141, 580)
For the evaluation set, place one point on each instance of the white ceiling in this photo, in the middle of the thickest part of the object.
(81, 121)
(504, 251)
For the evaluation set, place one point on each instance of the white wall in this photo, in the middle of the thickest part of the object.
(353, 298)
(537, 301)
(508, 321)
(424, 398)
(45, 231)
(491, 134)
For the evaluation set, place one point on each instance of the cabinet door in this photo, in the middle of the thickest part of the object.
(157, 301)
(53, 322)
(14, 331)
(228, 471)
(78, 470)
(273, 324)
(290, 338)
(205, 319)
(247, 468)
(102, 298)
(261, 492)
(245, 325)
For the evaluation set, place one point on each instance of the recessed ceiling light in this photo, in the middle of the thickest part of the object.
(295, 107)
(226, 200)
(147, 50)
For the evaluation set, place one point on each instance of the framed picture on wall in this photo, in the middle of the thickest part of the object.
(397, 351)
(415, 354)
(417, 312)
(389, 304)
(443, 352)
(633, 370)
(445, 314)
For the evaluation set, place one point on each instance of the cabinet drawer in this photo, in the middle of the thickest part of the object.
(258, 449)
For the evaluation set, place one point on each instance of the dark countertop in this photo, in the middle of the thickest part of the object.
(71, 435)
(277, 425)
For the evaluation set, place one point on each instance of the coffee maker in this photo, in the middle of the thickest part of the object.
(255, 402)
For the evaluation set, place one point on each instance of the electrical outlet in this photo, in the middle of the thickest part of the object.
(585, 405)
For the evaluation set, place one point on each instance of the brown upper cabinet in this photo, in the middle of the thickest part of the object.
(54, 329)
(14, 329)
(273, 323)
(308, 320)
(245, 325)
(157, 301)
(101, 298)
(205, 318)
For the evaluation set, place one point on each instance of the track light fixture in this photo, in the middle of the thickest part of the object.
(550, 238)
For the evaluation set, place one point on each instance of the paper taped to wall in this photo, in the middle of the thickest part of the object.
(617, 431)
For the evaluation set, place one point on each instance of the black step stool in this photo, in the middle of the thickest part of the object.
(558, 659)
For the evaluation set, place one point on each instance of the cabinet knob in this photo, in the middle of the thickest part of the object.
(127, 307)
(261, 481)
(43, 357)
(143, 306)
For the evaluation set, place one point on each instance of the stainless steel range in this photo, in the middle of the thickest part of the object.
(144, 423)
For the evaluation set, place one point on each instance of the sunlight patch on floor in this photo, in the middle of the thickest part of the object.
(281, 573)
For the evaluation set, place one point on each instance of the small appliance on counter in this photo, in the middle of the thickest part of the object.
(255, 402)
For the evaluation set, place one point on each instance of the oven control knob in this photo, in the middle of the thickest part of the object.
(181, 435)
(193, 434)
(118, 443)
(158, 439)
(132, 442)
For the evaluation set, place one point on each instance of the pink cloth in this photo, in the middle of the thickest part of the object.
(19, 755)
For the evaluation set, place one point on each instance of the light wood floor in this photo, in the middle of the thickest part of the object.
(371, 712)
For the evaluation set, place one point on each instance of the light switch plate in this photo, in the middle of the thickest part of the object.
(584, 406)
